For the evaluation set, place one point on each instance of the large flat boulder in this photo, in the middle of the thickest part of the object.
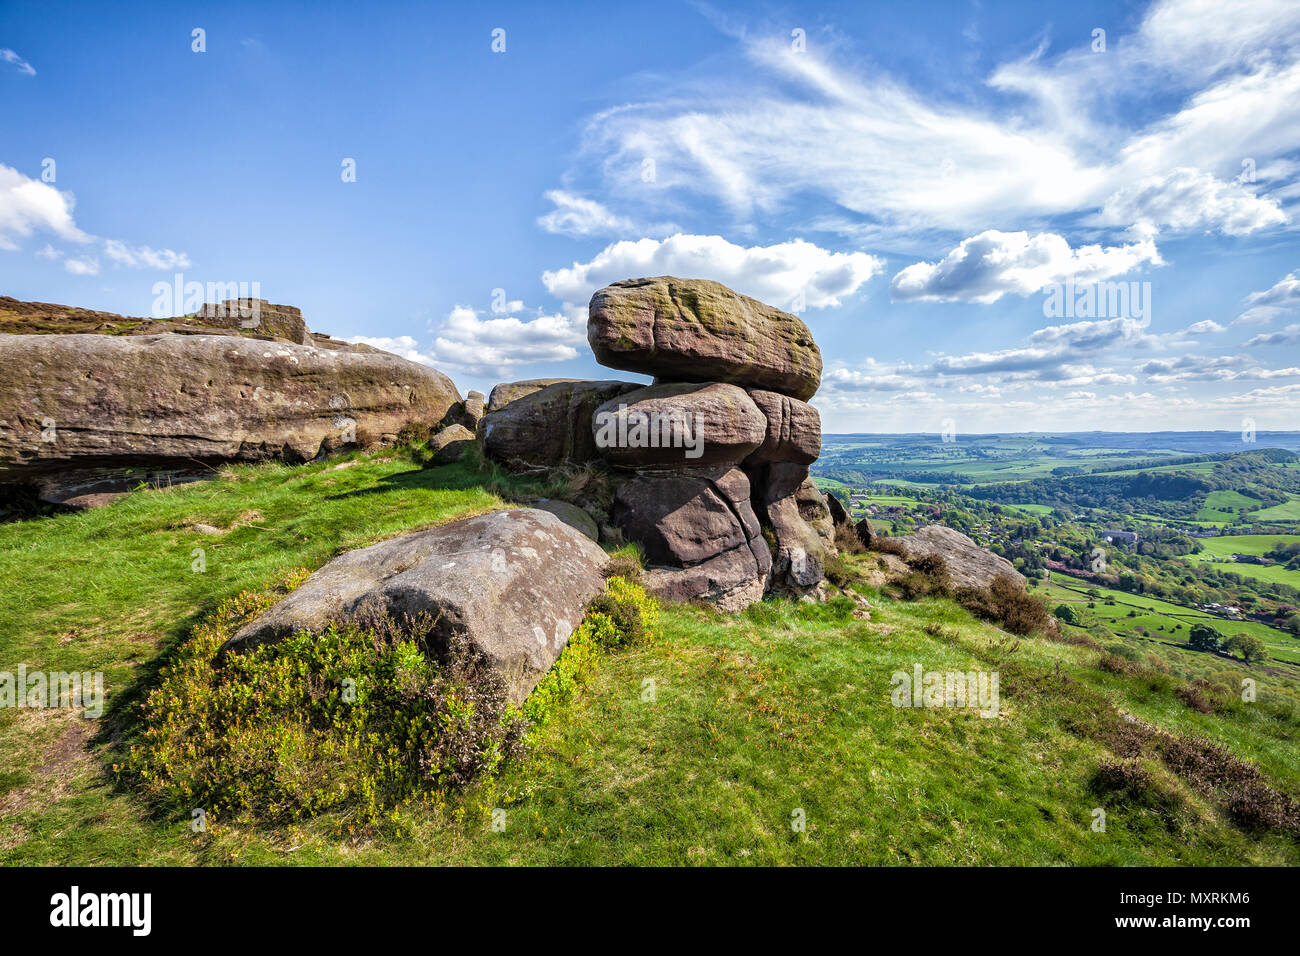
(794, 429)
(514, 582)
(549, 427)
(157, 401)
(701, 331)
(969, 565)
(681, 425)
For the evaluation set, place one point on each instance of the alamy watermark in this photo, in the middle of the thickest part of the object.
(638, 429)
(967, 689)
(234, 299)
(39, 690)
(1097, 300)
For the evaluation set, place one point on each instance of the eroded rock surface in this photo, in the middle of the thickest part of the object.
(696, 330)
(514, 582)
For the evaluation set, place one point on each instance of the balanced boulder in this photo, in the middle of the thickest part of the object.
(514, 582)
(695, 330)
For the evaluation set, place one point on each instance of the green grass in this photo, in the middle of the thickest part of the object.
(1167, 621)
(1218, 553)
(1225, 546)
(755, 716)
(1225, 506)
(1288, 511)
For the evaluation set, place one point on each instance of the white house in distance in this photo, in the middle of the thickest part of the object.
(1127, 538)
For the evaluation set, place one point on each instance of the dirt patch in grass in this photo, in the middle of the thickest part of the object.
(61, 761)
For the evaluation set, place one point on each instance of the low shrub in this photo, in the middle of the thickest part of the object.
(848, 540)
(1006, 603)
(626, 562)
(359, 720)
(885, 545)
(621, 617)
(1130, 782)
(363, 720)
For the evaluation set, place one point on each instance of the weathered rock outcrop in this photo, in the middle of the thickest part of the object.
(258, 316)
(154, 402)
(507, 392)
(968, 564)
(794, 429)
(513, 582)
(701, 331)
(702, 461)
(548, 427)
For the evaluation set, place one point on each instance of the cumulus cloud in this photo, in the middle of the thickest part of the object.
(1187, 200)
(28, 205)
(1204, 327)
(780, 274)
(1282, 297)
(986, 267)
(404, 345)
(496, 346)
(491, 347)
(83, 266)
(9, 56)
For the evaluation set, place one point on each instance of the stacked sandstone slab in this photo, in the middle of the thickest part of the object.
(731, 513)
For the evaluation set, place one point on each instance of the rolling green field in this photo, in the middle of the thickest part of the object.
(1166, 620)
(1290, 511)
(1225, 546)
(1225, 506)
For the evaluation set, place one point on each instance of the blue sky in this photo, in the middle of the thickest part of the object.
(914, 179)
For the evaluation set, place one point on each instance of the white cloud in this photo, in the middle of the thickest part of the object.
(985, 267)
(497, 346)
(27, 205)
(576, 216)
(777, 274)
(491, 347)
(9, 56)
(1188, 200)
(84, 266)
(1286, 336)
(1173, 106)
(404, 345)
(1204, 327)
(142, 257)
(1282, 297)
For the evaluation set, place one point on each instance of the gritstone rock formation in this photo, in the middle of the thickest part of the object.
(709, 465)
(84, 416)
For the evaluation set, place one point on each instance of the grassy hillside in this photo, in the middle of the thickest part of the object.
(779, 714)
